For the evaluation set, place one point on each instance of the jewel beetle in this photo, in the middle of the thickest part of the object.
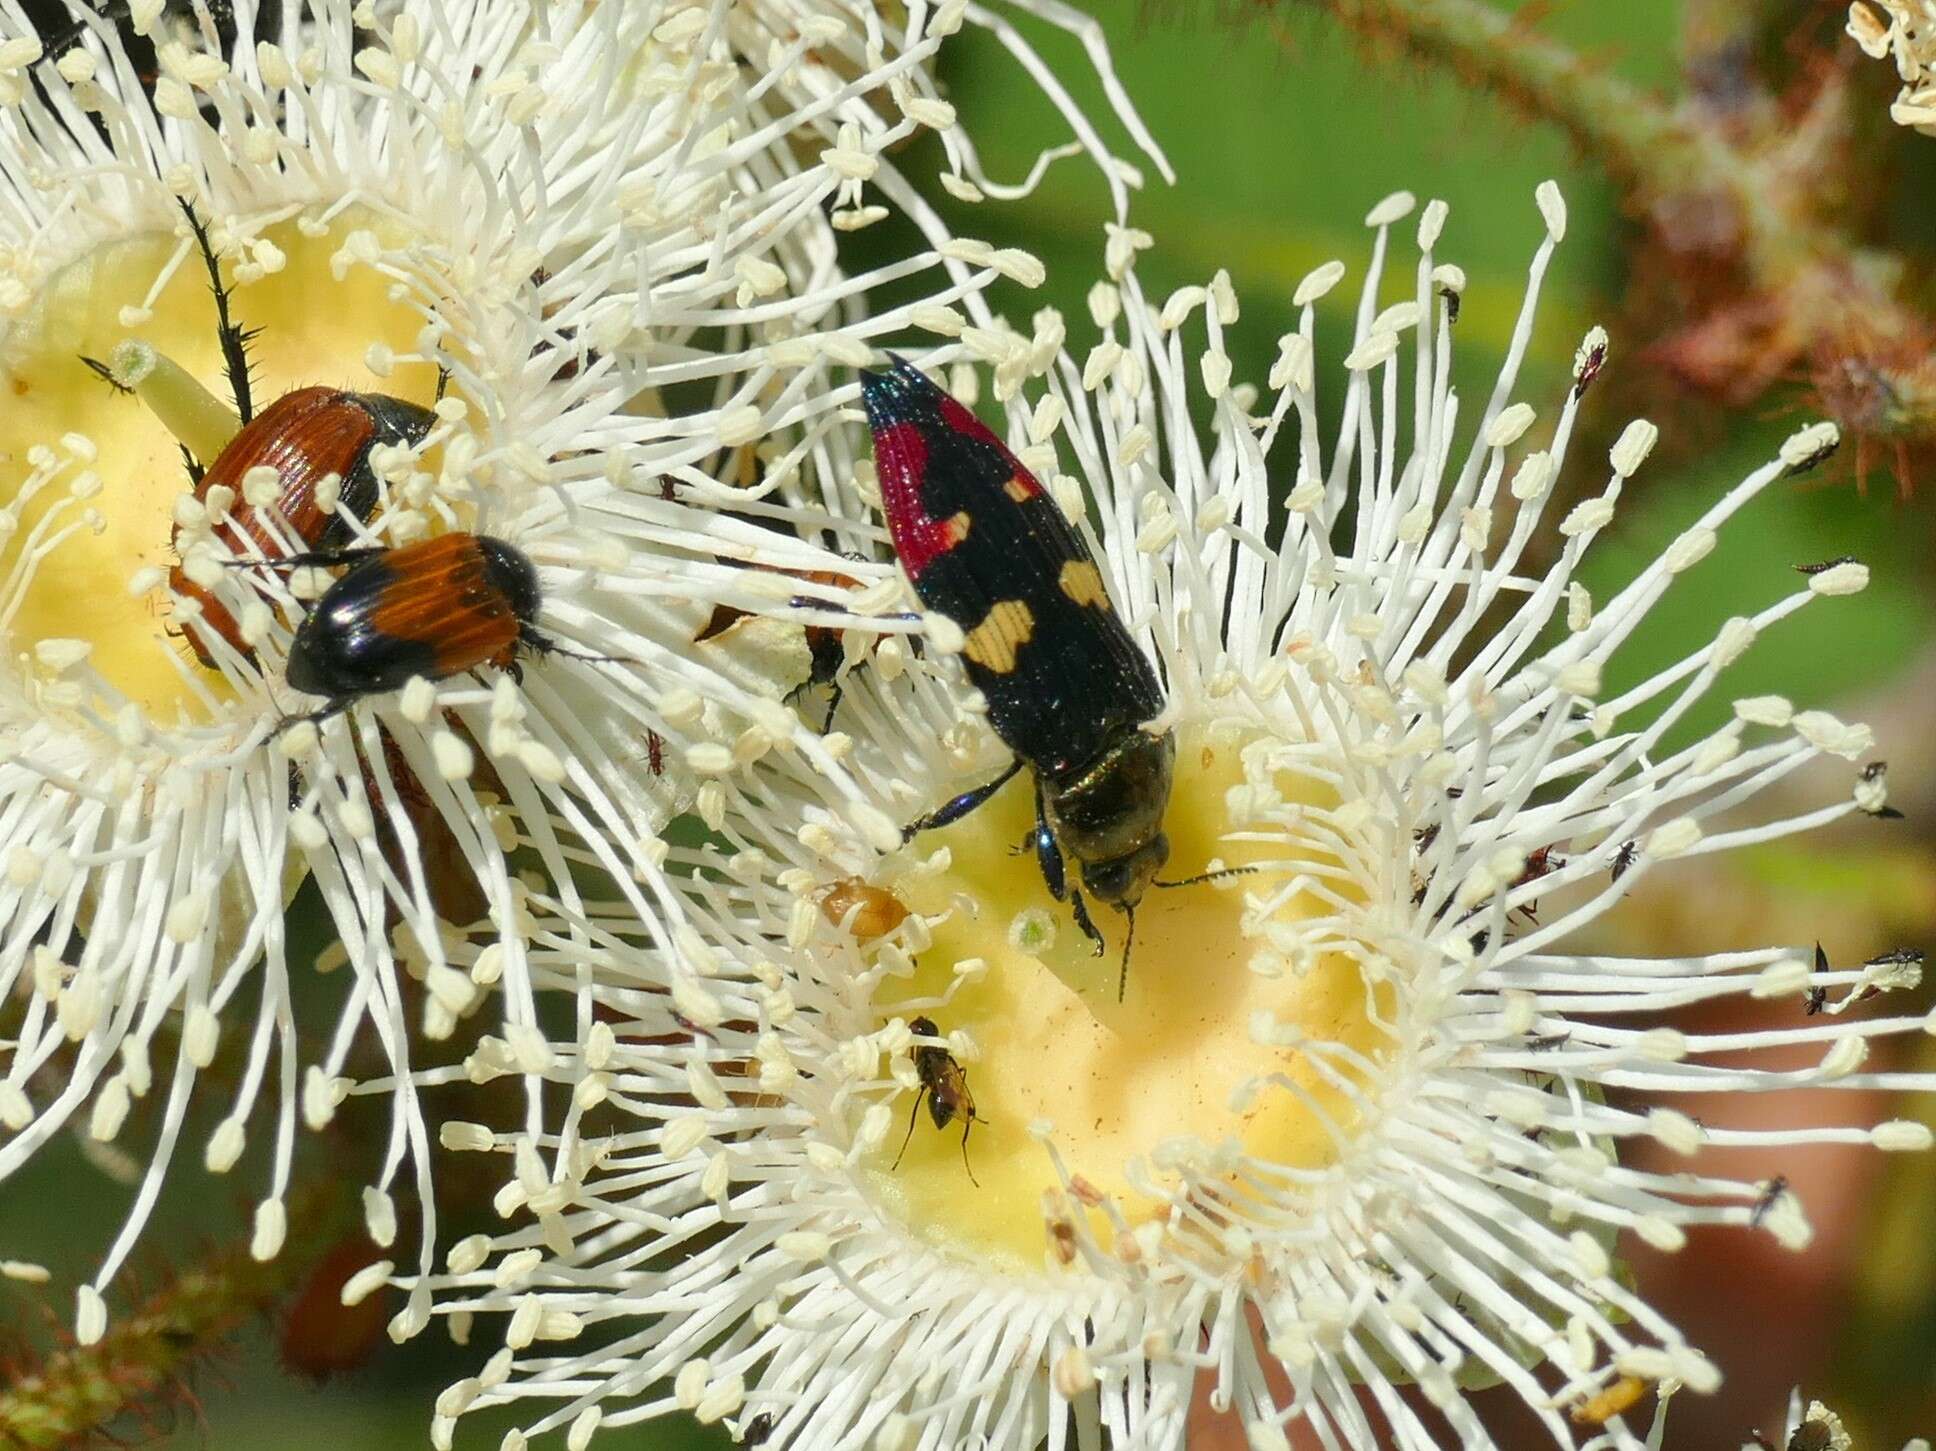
(1068, 690)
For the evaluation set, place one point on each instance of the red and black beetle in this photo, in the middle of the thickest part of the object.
(1069, 690)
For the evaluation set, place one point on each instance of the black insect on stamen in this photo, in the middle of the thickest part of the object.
(1623, 859)
(1069, 690)
(1765, 1202)
(944, 1088)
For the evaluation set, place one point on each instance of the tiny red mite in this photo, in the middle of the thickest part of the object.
(944, 1087)
(303, 435)
(435, 608)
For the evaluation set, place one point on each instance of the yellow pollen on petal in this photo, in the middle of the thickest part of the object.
(1176, 1058)
(311, 329)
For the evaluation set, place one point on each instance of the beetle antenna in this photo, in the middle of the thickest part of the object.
(1201, 877)
(235, 341)
(545, 645)
(1129, 936)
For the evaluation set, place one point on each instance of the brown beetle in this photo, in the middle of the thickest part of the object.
(304, 435)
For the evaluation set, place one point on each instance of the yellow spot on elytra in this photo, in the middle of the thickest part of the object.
(1082, 582)
(958, 527)
(1019, 489)
(1117, 1079)
(312, 330)
(1003, 631)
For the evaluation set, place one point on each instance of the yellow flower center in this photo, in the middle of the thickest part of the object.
(1173, 1058)
(313, 329)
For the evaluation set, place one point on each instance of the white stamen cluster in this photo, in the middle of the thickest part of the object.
(707, 1228)
(620, 225)
(1903, 31)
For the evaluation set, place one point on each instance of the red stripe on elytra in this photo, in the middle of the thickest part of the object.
(962, 420)
(901, 461)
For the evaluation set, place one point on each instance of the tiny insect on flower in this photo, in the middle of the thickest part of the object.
(826, 647)
(1623, 859)
(1769, 1197)
(944, 1088)
(1621, 1396)
(875, 911)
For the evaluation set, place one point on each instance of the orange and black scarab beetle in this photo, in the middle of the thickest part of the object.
(435, 608)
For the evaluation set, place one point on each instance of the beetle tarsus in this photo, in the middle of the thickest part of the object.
(954, 810)
(1089, 928)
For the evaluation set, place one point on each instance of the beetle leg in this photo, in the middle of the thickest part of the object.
(1048, 855)
(234, 338)
(334, 707)
(833, 704)
(106, 374)
(1088, 927)
(539, 643)
(913, 1119)
(966, 1126)
(317, 559)
(960, 806)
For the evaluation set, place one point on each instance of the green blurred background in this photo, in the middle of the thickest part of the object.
(1283, 134)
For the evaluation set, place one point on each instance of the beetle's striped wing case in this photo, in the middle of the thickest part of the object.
(985, 545)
